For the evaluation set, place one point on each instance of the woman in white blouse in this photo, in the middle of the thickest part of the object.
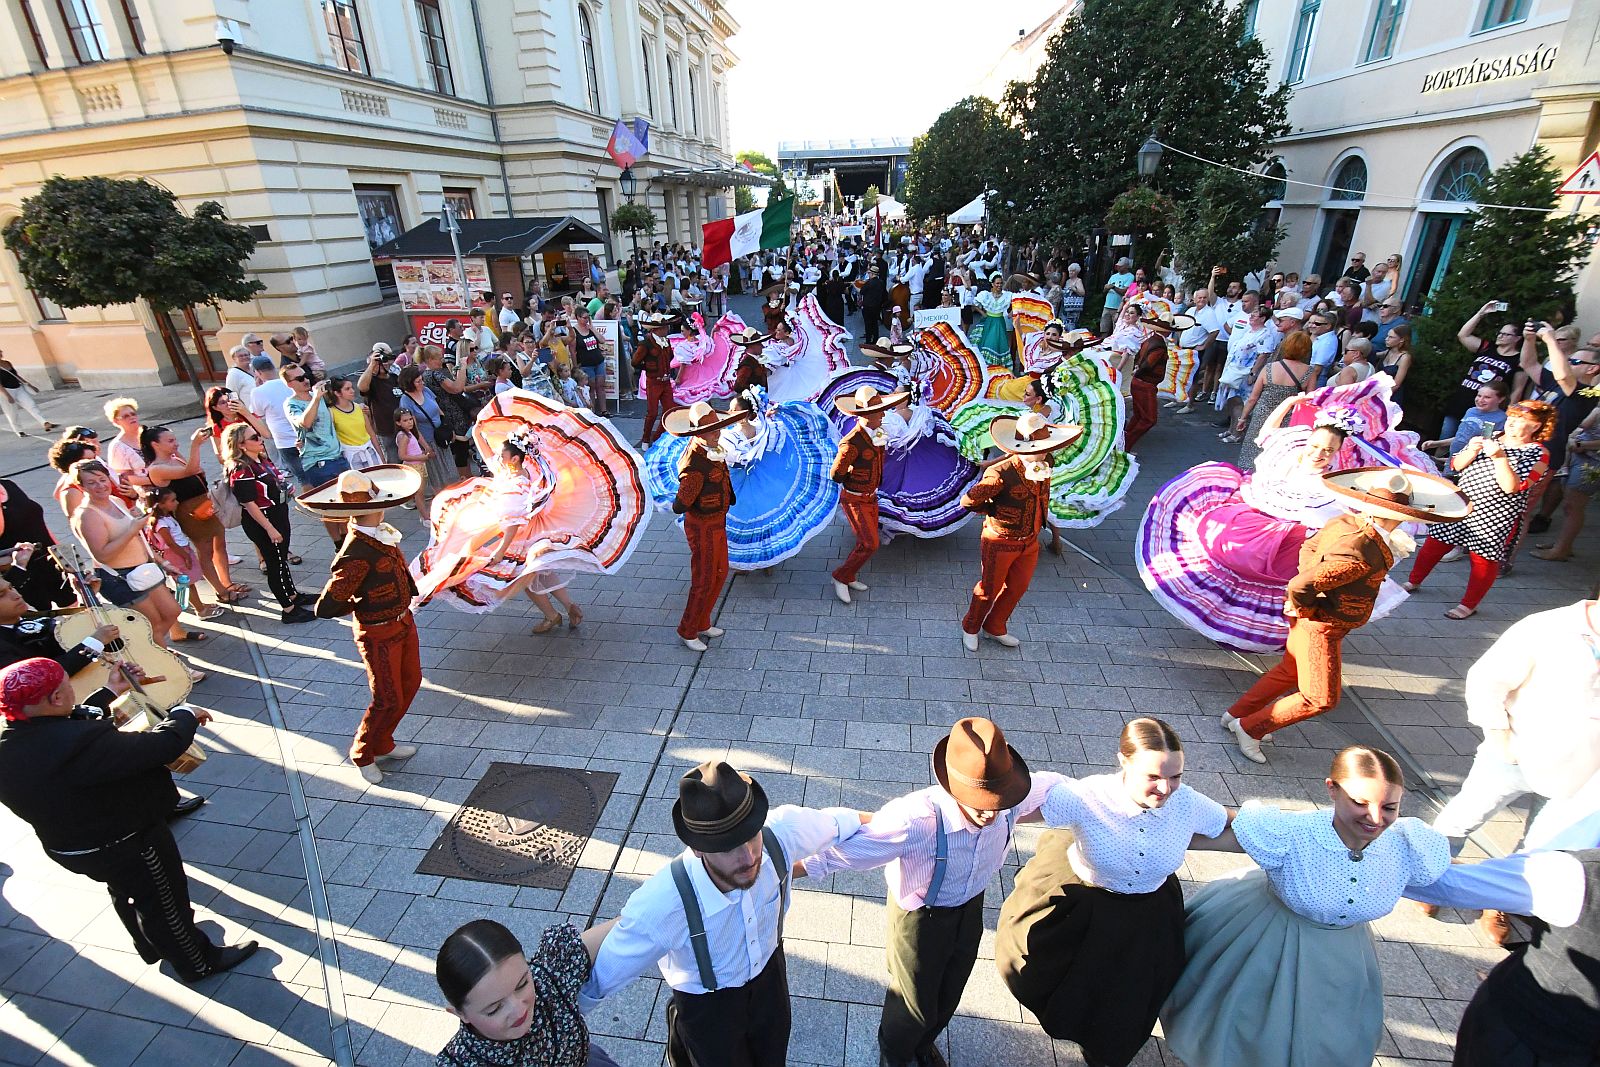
(1281, 967)
(1091, 939)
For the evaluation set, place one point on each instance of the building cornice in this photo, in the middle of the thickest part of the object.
(1408, 121)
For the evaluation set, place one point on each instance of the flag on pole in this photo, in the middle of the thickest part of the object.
(728, 239)
(629, 141)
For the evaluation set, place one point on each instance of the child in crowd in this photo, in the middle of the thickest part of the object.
(414, 450)
(174, 550)
(574, 390)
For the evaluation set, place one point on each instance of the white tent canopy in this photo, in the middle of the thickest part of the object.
(890, 207)
(971, 214)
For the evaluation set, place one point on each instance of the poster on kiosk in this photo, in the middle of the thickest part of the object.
(430, 292)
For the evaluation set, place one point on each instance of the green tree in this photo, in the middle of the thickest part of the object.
(1527, 259)
(869, 199)
(743, 199)
(759, 162)
(1188, 71)
(1145, 215)
(1221, 225)
(958, 158)
(94, 242)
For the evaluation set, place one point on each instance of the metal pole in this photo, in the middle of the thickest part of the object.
(453, 228)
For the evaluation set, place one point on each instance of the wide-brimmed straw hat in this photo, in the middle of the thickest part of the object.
(866, 400)
(1391, 493)
(976, 766)
(775, 289)
(1029, 434)
(1162, 318)
(699, 417)
(749, 336)
(365, 490)
(718, 808)
(1068, 341)
(887, 352)
(657, 320)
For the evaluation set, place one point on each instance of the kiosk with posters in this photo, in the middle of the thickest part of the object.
(499, 256)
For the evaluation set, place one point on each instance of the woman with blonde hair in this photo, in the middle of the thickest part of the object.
(122, 453)
(263, 493)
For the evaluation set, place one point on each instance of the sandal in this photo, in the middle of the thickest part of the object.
(574, 617)
(295, 559)
(550, 622)
(1458, 613)
(234, 595)
(194, 637)
(215, 611)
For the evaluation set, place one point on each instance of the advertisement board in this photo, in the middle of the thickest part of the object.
(427, 285)
(609, 331)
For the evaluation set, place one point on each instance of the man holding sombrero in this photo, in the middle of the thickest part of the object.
(1014, 496)
(652, 357)
(858, 468)
(372, 580)
(942, 845)
(1149, 368)
(705, 493)
(1341, 569)
(712, 920)
(751, 370)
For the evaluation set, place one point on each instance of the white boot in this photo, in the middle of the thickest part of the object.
(371, 773)
(841, 591)
(400, 752)
(694, 644)
(1247, 744)
(1003, 639)
(712, 631)
(970, 641)
(860, 587)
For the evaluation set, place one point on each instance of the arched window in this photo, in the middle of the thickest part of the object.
(649, 80)
(672, 92)
(694, 100)
(1350, 180)
(1278, 181)
(1461, 177)
(591, 72)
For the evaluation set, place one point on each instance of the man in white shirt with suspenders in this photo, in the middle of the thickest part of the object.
(943, 846)
(712, 920)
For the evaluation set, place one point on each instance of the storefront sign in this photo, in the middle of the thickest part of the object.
(429, 327)
(434, 284)
(1520, 65)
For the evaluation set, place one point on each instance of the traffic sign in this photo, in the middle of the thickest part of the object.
(1585, 181)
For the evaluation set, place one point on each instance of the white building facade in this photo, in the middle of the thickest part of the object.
(331, 125)
(1399, 104)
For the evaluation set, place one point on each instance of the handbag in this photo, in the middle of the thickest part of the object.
(205, 509)
(224, 505)
(145, 576)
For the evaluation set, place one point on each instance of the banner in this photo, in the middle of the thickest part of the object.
(922, 318)
(434, 285)
(608, 331)
(851, 231)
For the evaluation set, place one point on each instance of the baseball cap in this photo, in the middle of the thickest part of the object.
(262, 363)
(1290, 313)
(382, 349)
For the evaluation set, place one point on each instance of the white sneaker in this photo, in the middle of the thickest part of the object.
(234, 561)
(970, 641)
(1247, 744)
(1226, 719)
(1003, 639)
(371, 773)
(712, 631)
(1183, 410)
(860, 587)
(400, 752)
(694, 644)
(1452, 555)
(841, 591)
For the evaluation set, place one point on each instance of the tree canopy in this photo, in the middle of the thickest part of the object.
(1527, 259)
(759, 162)
(91, 242)
(957, 159)
(1221, 225)
(1190, 73)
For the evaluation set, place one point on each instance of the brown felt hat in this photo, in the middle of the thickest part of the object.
(976, 766)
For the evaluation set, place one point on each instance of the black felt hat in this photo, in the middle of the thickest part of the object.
(718, 808)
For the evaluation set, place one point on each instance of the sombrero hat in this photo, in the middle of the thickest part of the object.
(1029, 434)
(866, 400)
(1391, 493)
(775, 289)
(368, 489)
(699, 417)
(749, 336)
(656, 320)
(1161, 317)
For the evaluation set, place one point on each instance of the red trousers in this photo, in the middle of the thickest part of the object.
(1479, 578)
(1309, 674)
(1007, 569)
(1143, 416)
(657, 402)
(708, 569)
(394, 674)
(862, 512)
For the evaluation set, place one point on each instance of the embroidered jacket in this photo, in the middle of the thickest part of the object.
(703, 484)
(1341, 568)
(1014, 504)
(1150, 365)
(751, 371)
(653, 357)
(370, 579)
(859, 465)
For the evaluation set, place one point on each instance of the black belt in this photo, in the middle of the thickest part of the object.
(97, 848)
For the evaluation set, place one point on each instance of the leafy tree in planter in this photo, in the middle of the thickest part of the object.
(634, 218)
(1117, 70)
(95, 242)
(956, 159)
(1221, 224)
(1526, 259)
(869, 199)
(1147, 216)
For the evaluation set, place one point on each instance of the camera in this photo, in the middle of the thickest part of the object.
(1501, 305)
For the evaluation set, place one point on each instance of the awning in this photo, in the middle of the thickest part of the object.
(971, 214)
(711, 177)
(491, 237)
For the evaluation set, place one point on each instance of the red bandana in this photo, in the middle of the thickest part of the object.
(27, 683)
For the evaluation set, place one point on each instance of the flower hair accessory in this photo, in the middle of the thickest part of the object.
(524, 440)
(1341, 418)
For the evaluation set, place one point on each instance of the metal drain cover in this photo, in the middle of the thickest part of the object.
(522, 825)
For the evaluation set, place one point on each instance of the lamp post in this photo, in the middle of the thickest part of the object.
(1149, 157)
(630, 185)
(452, 226)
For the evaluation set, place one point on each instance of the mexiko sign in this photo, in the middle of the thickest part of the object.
(1519, 65)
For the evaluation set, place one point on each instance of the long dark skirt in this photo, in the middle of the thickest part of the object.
(1093, 965)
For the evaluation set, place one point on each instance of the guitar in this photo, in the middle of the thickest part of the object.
(165, 681)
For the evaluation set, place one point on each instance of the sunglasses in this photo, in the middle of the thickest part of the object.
(86, 435)
(296, 378)
(253, 437)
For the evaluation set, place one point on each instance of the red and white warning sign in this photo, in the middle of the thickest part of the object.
(1585, 181)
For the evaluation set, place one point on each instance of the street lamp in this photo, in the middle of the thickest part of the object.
(1149, 157)
(630, 185)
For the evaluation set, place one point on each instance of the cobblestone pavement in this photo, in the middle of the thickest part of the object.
(826, 703)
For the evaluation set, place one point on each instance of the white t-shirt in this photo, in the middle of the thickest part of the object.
(1324, 348)
(1212, 318)
(242, 382)
(509, 319)
(266, 402)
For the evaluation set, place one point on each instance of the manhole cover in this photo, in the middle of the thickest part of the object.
(522, 825)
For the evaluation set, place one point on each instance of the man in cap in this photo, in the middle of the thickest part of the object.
(99, 799)
(371, 580)
(942, 846)
(858, 468)
(705, 493)
(1014, 497)
(1341, 569)
(652, 357)
(712, 920)
(1116, 288)
(380, 387)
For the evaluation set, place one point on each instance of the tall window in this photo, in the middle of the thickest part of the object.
(1305, 26)
(434, 53)
(344, 33)
(1503, 12)
(649, 80)
(461, 200)
(1251, 9)
(130, 15)
(49, 310)
(1385, 28)
(694, 100)
(33, 32)
(1461, 179)
(672, 92)
(379, 207)
(85, 28)
(591, 72)
(1350, 183)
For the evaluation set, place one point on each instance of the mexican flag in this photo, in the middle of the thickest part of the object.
(728, 239)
